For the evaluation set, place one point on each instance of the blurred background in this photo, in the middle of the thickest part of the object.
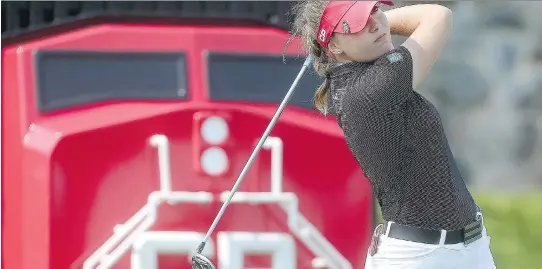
(487, 86)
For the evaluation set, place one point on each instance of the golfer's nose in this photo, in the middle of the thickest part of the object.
(373, 24)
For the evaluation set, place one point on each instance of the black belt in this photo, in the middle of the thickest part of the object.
(467, 235)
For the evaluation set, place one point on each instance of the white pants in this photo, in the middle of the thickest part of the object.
(399, 254)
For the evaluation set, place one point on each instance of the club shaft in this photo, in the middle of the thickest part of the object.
(258, 147)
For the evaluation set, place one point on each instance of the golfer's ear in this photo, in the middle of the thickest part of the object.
(426, 43)
(333, 47)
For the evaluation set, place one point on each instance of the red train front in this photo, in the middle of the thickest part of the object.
(121, 142)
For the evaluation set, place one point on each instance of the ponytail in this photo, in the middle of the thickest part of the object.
(320, 96)
(321, 65)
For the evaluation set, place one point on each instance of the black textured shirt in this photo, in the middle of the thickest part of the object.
(396, 135)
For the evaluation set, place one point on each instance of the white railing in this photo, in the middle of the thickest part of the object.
(298, 224)
(125, 234)
(135, 229)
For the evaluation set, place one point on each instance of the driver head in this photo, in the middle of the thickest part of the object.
(201, 262)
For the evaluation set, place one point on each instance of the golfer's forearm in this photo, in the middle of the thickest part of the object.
(405, 20)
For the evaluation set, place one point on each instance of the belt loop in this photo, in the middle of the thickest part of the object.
(442, 237)
(480, 216)
(388, 228)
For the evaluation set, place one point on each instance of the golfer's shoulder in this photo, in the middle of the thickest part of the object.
(386, 81)
(392, 68)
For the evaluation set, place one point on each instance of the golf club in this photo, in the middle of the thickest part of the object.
(198, 260)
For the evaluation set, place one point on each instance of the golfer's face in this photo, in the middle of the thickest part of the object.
(367, 44)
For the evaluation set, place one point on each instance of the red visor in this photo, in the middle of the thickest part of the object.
(345, 17)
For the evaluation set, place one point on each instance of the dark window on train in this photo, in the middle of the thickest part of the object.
(259, 78)
(70, 78)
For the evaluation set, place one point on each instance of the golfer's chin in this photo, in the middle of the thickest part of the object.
(379, 50)
(384, 47)
(372, 53)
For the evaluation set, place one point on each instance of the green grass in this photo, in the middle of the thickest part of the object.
(514, 222)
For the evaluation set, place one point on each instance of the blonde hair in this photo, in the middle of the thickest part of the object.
(305, 26)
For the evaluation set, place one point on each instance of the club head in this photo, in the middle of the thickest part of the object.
(201, 262)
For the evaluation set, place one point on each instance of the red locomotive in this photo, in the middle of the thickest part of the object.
(121, 140)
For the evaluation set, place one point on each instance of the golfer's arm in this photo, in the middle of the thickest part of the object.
(428, 27)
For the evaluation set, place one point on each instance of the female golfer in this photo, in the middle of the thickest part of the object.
(395, 134)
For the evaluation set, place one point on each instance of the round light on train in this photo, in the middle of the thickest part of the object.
(214, 130)
(214, 161)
